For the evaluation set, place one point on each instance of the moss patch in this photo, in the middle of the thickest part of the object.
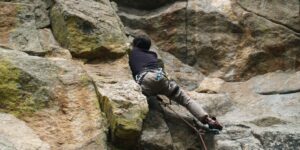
(13, 99)
(124, 131)
(85, 39)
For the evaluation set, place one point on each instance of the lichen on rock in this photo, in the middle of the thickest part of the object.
(88, 29)
(14, 98)
(125, 109)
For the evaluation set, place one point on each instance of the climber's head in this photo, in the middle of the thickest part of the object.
(142, 41)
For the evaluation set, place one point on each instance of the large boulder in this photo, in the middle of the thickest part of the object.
(89, 29)
(226, 39)
(121, 100)
(55, 97)
(125, 108)
(16, 135)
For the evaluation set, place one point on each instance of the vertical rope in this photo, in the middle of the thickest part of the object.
(186, 30)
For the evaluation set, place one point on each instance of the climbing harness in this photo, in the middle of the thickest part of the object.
(159, 74)
(198, 127)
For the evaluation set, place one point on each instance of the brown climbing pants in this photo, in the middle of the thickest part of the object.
(152, 86)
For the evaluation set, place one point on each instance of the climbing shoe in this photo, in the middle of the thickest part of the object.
(212, 123)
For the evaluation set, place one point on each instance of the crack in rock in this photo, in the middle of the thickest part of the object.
(296, 32)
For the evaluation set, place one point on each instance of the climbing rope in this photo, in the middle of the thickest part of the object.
(188, 123)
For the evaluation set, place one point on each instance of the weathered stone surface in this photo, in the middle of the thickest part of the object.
(170, 38)
(237, 137)
(125, 108)
(214, 104)
(279, 138)
(18, 28)
(285, 12)
(40, 10)
(89, 29)
(156, 134)
(49, 44)
(277, 83)
(57, 99)
(210, 85)
(272, 117)
(251, 120)
(16, 135)
(221, 37)
(121, 100)
(185, 76)
(144, 4)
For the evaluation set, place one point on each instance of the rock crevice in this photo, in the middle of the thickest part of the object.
(295, 31)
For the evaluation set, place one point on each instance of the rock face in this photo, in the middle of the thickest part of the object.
(144, 4)
(156, 134)
(39, 8)
(56, 98)
(251, 118)
(121, 100)
(50, 45)
(272, 117)
(89, 29)
(18, 29)
(125, 110)
(15, 135)
(281, 12)
(233, 40)
(203, 44)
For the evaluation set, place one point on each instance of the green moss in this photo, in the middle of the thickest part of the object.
(124, 131)
(83, 39)
(59, 27)
(13, 99)
(79, 41)
(85, 80)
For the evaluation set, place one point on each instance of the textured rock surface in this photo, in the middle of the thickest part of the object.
(156, 134)
(39, 8)
(89, 29)
(121, 100)
(229, 39)
(186, 76)
(62, 106)
(16, 135)
(144, 4)
(18, 28)
(51, 46)
(125, 109)
(223, 38)
(285, 12)
(210, 85)
(272, 118)
(252, 120)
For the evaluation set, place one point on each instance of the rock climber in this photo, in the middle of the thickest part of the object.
(153, 81)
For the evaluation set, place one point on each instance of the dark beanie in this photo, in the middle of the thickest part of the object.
(142, 41)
